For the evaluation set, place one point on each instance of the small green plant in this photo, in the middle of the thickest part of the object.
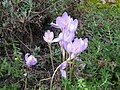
(81, 84)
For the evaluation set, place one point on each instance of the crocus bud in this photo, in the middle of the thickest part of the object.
(30, 60)
(62, 67)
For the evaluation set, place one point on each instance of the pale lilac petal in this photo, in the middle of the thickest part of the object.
(78, 43)
(73, 56)
(73, 25)
(31, 60)
(61, 43)
(54, 25)
(61, 36)
(60, 22)
(56, 40)
(76, 22)
(63, 73)
(69, 47)
(46, 34)
(63, 65)
(65, 15)
(69, 36)
(26, 56)
(85, 44)
(65, 45)
(52, 35)
(77, 46)
(45, 39)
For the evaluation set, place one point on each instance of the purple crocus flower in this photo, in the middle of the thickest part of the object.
(48, 37)
(77, 46)
(62, 21)
(30, 60)
(62, 67)
(64, 38)
(65, 22)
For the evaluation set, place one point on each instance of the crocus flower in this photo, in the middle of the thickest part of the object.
(48, 36)
(77, 46)
(62, 67)
(64, 38)
(30, 60)
(65, 22)
(62, 21)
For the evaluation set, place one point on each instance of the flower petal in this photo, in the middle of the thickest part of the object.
(26, 56)
(63, 73)
(31, 60)
(63, 65)
(69, 47)
(54, 25)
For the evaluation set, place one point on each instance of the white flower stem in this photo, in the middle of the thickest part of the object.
(53, 76)
(25, 83)
(71, 67)
(63, 54)
(55, 73)
(49, 45)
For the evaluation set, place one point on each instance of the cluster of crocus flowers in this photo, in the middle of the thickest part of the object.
(73, 46)
(30, 60)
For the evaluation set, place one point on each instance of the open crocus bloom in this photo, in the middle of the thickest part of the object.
(62, 21)
(62, 67)
(48, 36)
(30, 60)
(65, 22)
(77, 46)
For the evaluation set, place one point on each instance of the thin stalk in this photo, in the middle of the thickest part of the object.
(31, 37)
(66, 54)
(70, 67)
(53, 76)
(25, 88)
(49, 45)
(71, 70)
(63, 54)
(65, 86)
